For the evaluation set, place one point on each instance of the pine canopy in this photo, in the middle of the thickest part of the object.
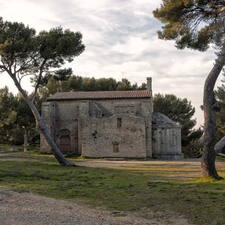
(192, 23)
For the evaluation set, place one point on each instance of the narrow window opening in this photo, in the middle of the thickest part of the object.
(115, 147)
(119, 122)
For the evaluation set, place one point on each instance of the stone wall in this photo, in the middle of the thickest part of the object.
(48, 114)
(122, 136)
(98, 131)
(166, 138)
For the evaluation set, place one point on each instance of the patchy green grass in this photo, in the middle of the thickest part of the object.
(5, 148)
(202, 201)
(10, 148)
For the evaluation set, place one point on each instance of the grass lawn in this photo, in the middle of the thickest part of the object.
(202, 201)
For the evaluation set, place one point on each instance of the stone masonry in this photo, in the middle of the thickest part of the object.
(116, 124)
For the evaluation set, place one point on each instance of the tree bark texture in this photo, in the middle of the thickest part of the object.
(220, 145)
(210, 129)
(42, 127)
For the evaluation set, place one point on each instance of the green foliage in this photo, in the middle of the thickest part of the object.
(25, 53)
(69, 82)
(124, 84)
(179, 110)
(15, 116)
(52, 86)
(192, 23)
(17, 40)
(7, 113)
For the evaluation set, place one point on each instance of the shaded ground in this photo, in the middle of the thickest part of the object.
(29, 209)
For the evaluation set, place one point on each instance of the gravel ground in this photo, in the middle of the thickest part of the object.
(29, 209)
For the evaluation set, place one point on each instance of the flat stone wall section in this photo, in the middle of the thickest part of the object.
(103, 137)
(166, 138)
(48, 114)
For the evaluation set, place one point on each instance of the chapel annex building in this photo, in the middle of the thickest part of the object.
(114, 124)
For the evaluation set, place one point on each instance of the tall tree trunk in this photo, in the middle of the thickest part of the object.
(42, 126)
(210, 129)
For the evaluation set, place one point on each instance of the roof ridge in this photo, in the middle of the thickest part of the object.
(78, 95)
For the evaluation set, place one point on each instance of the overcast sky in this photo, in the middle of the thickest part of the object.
(121, 42)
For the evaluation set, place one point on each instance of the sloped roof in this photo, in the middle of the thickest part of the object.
(100, 95)
(161, 120)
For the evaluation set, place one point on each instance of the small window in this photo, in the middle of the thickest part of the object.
(115, 147)
(119, 122)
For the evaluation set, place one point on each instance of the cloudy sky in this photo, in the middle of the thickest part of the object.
(121, 42)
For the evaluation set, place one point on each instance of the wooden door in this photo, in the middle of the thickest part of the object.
(65, 144)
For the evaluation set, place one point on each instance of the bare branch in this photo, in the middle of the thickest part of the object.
(22, 76)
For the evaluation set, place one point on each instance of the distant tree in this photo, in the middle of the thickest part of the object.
(7, 114)
(143, 86)
(179, 110)
(17, 122)
(25, 53)
(63, 74)
(25, 122)
(196, 24)
(106, 84)
(74, 83)
(53, 86)
(124, 85)
(52, 83)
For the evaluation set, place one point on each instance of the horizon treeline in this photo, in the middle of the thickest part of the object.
(16, 117)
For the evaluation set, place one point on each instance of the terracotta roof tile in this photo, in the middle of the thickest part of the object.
(100, 95)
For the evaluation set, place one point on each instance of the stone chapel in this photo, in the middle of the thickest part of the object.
(113, 124)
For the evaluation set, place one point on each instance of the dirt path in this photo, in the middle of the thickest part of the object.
(28, 209)
(142, 163)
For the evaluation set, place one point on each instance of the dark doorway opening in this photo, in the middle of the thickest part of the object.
(76, 138)
(65, 142)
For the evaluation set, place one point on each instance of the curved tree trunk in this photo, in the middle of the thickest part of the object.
(210, 129)
(220, 145)
(42, 127)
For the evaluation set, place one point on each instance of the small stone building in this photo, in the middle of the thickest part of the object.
(166, 140)
(116, 124)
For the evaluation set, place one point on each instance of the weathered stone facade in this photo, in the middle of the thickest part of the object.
(166, 139)
(102, 124)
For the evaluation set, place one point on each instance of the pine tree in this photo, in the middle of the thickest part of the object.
(196, 24)
(25, 53)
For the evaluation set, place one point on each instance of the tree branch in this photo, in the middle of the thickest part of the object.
(220, 145)
(39, 79)
(23, 66)
(221, 10)
(22, 76)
